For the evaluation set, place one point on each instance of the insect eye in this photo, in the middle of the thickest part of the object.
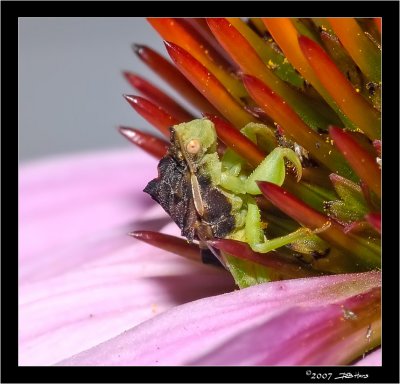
(193, 146)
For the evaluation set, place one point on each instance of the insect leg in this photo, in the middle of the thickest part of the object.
(198, 201)
(203, 233)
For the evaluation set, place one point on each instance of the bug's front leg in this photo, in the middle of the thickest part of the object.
(271, 169)
(259, 243)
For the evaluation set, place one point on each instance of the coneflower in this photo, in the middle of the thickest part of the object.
(310, 85)
(282, 186)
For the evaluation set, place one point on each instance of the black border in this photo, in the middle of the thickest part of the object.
(11, 11)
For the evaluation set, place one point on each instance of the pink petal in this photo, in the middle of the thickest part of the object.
(373, 359)
(64, 200)
(82, 279)
(257, 325)
(298, 336)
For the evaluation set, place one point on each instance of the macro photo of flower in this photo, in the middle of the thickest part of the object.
(235, 222)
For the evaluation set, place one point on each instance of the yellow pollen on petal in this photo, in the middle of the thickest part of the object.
(271, 64)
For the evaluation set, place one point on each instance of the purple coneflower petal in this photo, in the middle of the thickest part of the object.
(69, 201)
(82, 279)
(372, 359)
(279, 323)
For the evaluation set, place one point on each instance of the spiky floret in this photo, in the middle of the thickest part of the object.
(314, 85)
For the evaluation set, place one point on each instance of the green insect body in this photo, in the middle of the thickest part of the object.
(216, 196)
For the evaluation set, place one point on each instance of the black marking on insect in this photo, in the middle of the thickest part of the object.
(199, 209)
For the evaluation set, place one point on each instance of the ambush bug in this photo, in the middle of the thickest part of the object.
(209, 197)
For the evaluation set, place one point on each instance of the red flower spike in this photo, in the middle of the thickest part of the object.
(209, 85)
(181, 34)
(284, 268)
(362, 50)
(169, 73)
(292, 206)
(352, 104)
(306, 191)
(310, 218)
(250, 63)
(237, 141)
(187, 36)
(360, 159)
(286, 36)
(294, 127)
(361, 140)
(201, 27)
(169, 243)
(149, 143)
(375, 219)
(158, 97)
(154, 114)
(259, 45)
(241, 51)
